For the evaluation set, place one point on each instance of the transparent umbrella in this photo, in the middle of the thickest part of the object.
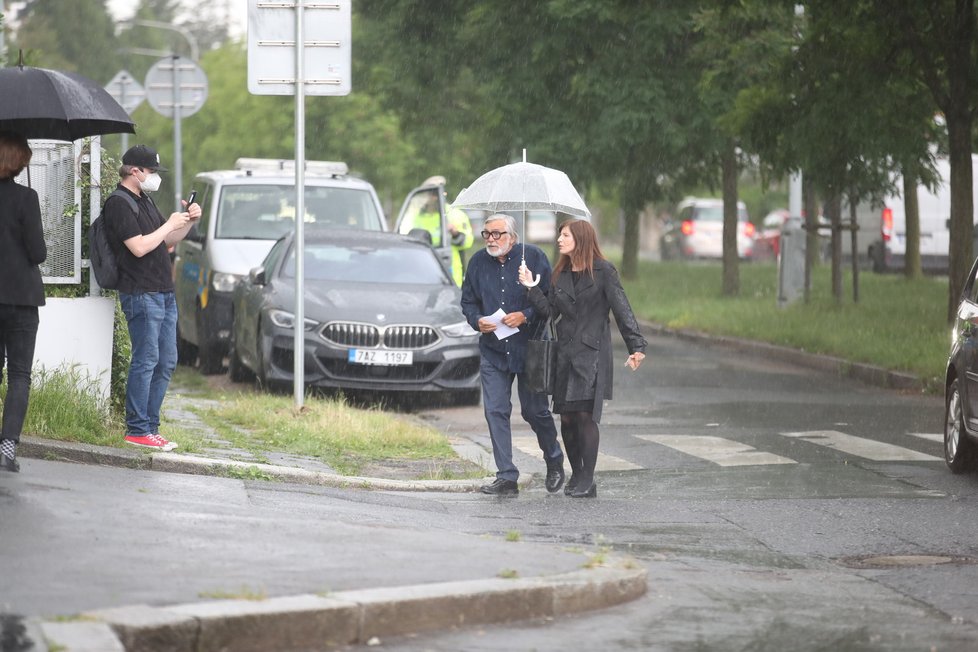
(521, 187)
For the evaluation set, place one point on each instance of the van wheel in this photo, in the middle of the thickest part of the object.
(959, 450)
(186, 352)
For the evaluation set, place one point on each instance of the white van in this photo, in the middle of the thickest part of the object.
(889, 249)
(245, 211)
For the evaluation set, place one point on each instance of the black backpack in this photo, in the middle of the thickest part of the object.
(100, 253)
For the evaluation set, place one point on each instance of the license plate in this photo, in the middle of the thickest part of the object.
(380, 357)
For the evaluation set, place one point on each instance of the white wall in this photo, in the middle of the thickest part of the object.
(77, 332)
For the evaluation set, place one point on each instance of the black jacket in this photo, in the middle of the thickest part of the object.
(584, 330)
(22, 246)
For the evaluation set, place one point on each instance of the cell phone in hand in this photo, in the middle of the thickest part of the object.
(193, 196)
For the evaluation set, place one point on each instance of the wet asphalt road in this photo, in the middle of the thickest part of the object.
(751, 490)
(778, 549)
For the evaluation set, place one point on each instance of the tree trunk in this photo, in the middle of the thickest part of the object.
(911, 208)
(811, 234)
(833, 210)
(854, 248)
(962, 207)
(731, 258)
(629, 248)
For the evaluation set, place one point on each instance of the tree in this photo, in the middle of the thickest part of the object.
(77, 36)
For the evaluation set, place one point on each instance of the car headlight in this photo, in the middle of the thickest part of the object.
(461, 329)
(284, 319)
(223, 282)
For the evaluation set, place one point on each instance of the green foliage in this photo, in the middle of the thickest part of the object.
(64, 405)
(76, 36)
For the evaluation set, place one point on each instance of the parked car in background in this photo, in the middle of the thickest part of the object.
(381, 313)
(696, 231)
(245, 210)
(961, 383)
(767, 239)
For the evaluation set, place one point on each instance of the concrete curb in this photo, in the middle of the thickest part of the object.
(48, 449)
(866, 373)
(313, 622)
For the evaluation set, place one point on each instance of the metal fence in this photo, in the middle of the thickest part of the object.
(54, 174)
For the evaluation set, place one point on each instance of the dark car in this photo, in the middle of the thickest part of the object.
(961, 383)
(381, 313)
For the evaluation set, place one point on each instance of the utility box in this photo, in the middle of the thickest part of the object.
(791, 261)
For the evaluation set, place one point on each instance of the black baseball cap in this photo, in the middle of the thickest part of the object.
(142, 156)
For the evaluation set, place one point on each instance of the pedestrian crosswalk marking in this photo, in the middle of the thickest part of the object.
(929, 436)
(605, 462)
(724, 452)
(861, 447)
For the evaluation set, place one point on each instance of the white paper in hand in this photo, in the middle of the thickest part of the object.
(502, 330)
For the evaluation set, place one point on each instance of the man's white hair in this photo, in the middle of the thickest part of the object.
(510, 223)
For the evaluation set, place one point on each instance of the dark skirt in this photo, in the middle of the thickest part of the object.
(561, 405)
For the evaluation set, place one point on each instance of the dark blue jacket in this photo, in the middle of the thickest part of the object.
(490, 285)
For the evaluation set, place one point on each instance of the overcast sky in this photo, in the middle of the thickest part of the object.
(122, 9)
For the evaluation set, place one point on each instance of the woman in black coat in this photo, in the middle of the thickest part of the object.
(22, 249)
(584, 289)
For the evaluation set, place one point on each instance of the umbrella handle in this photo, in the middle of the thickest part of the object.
(535, 282)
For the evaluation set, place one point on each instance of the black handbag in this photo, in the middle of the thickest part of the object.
(540, 365)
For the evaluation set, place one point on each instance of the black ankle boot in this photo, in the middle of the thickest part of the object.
(585, 490)
(9, 464)
(571, 484)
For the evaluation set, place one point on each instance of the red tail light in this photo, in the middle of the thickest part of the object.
(748, 229)
(886, 225)
(687, 227)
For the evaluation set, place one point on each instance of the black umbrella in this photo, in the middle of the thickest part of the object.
(41, 103)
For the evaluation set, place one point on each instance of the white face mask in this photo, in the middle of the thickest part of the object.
(151, 183)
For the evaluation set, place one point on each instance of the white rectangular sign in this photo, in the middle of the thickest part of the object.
(326, 42)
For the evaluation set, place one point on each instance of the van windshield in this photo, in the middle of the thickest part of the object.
(267, 212)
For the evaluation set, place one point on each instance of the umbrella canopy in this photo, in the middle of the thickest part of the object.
(523, 187)
(50, 104)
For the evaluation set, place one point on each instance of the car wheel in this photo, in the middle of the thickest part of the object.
(209, 356)
(959, 450)
(237, 371)
(186, 352)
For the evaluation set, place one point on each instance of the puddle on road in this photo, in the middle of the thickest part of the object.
(884, 562)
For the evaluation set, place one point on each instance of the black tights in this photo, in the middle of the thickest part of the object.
(581, 437)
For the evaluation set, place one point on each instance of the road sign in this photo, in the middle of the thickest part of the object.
(128, 92)
(326, 41)
(176, 81)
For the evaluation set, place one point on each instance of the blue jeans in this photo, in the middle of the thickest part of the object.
(18, 333)
(497, 391)
(152, 319)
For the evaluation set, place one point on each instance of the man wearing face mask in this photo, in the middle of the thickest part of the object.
(140, 239)
(492, 284)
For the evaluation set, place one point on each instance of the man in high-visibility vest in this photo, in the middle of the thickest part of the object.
(459, 226)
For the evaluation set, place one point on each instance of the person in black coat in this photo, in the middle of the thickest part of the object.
(584, 289)
(22, 249)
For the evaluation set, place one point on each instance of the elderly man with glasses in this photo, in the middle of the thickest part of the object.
(492, 287)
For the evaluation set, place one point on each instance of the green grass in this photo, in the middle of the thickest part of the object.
(897, 324)
(344, 436)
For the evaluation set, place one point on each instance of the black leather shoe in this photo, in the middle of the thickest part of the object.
(9, 464)
(555, 476)
(581, 492)
(500, 487)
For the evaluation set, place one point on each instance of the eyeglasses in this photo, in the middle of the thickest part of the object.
(495, 235)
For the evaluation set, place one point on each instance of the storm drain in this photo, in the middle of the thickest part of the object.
(903, 561)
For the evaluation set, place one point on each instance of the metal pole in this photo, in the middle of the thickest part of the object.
(177, 137)
(299, 357)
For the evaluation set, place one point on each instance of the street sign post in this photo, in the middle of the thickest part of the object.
(129, 93)
(176, 87)
(299, 47)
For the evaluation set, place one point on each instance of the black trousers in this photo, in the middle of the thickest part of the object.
(18, 333)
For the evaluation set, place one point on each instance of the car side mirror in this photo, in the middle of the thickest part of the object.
(257, 276)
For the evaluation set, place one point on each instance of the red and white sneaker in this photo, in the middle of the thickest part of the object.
(145, 441)
(167, 444)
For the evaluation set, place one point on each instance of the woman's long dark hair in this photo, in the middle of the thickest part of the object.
(586, 249)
